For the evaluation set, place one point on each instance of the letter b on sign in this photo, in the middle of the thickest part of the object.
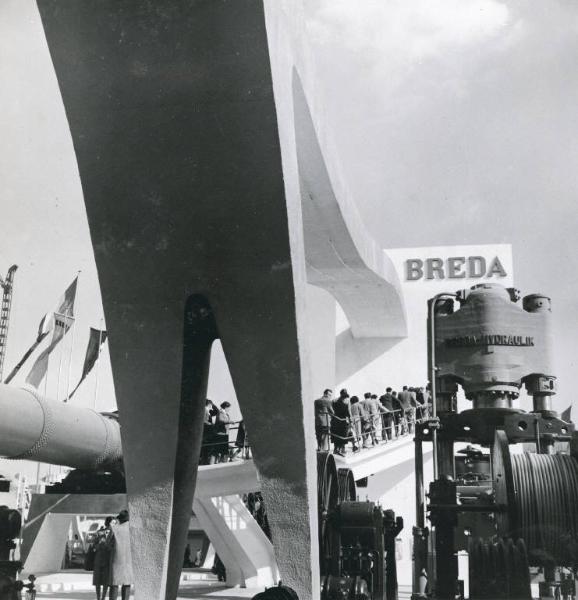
(414, 269)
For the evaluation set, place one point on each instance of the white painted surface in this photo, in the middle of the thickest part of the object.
(244, 549)
(367, 365)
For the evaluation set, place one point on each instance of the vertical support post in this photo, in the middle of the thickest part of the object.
(444, 519)
(420, 532)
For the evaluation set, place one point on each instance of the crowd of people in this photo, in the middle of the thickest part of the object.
(109, 558)
(363, 422)
(368, 421)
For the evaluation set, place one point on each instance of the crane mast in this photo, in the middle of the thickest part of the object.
(7, 287)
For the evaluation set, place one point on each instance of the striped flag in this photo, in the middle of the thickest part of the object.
(59, 323)
(95, 341)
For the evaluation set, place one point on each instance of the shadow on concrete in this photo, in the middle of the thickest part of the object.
(353, 354)
(220, 591)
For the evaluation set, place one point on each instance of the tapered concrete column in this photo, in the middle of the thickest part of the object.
(173, 120)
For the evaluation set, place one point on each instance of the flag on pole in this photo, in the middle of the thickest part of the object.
(59, 323)
(46, 325)
(95, 341)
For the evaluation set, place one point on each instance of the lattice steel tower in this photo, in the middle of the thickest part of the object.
(7, 287)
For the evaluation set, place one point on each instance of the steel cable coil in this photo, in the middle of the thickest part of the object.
(545, 506)
(498, 570)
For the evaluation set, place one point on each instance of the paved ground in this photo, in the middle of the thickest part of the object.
(195, 583)
(76, 585)
(197, 590)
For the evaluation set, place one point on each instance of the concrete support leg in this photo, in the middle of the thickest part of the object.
(245, 550)
(47, 551)
(174, 125)
(266, 352)
(162, 430)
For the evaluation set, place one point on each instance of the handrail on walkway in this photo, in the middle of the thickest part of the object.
(362, 432)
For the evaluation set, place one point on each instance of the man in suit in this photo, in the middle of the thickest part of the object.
(387, 415)
(323, 412)
(406, 399)
(368, 428)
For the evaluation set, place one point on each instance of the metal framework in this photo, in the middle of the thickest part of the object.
(7, 287)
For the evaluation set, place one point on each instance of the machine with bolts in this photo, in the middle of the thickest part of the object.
(356, 541)
(514, 513)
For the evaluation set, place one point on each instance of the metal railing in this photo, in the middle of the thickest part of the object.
(362, 433)
(224, 446)
(368, 431)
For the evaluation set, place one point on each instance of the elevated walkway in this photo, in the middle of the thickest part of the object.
(382, 457)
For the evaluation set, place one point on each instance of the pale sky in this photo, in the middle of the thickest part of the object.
(454, 121)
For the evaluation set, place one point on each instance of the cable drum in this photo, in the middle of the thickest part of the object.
(327, 500)
(498, 570)
(347, 488)
(544, 512)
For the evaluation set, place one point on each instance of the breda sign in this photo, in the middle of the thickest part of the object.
(454, 267)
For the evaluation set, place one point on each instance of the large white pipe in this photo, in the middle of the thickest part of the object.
(34, 428)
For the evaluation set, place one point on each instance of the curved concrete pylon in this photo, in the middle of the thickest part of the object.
(341, 256)
(172, 116)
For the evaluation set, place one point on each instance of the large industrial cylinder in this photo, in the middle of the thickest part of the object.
(34, 428)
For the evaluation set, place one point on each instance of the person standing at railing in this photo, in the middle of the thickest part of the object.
(387, 415)
(368, 433)
(375, 414)
(426, 402)
(340, 424)
(398, 413)
(357, 415)
(211, 411)
(323, 408)
(407, 404)
(220, 447)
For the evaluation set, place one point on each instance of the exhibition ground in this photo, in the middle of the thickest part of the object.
(196, 584)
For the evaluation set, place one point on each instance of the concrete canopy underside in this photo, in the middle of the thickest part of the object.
(175, 130)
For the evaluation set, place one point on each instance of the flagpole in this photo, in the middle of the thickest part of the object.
(45, 390)
(70, 363)
(98, 363)
(61, 350)
(26, 357)
(71, 345)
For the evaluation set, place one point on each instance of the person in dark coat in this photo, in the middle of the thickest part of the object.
(211, 412)
(220, 451)
(101, 574)
(407, 402)
(387, 415)
(323, 412)
(340, 424)
(398, 413)
(219, 569)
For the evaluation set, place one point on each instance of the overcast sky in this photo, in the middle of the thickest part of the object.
(454, 121)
